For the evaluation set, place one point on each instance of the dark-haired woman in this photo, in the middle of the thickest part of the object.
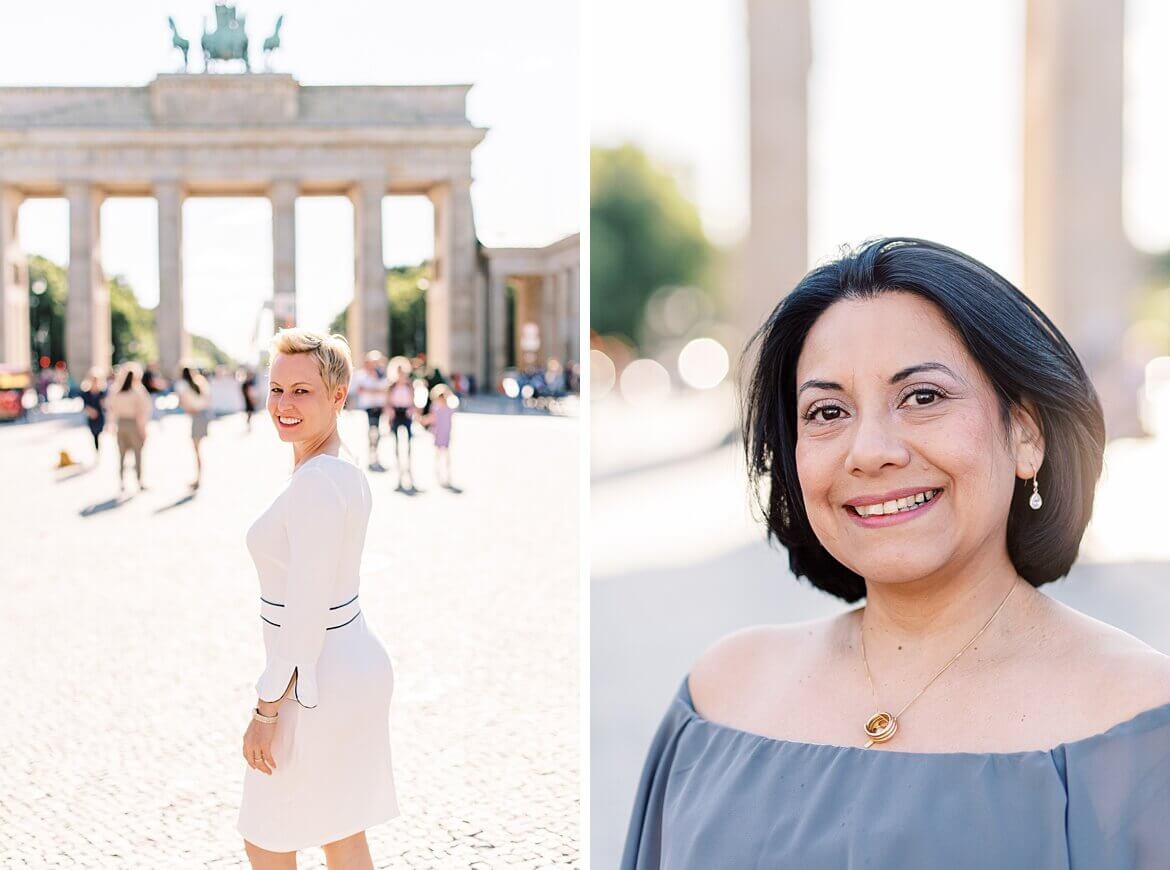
(130, 407)
(195, 398)
(921, 436)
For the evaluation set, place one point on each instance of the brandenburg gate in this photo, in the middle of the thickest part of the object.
(260, 135)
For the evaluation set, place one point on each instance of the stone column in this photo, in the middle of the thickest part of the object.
(547, 317)
(563, 326)
(482, 335)
(369, 315)
(451, 303)
(498, 325)
(174, 345)
(777, 245)
(556, 347)
(574, 302)
(87, 306)
(283, 197)
(1079, 267)
(527, 311)
(15, 340)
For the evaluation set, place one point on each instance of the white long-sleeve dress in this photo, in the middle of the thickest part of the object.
(333, 775)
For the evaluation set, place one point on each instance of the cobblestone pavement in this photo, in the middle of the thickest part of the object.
(129, 642)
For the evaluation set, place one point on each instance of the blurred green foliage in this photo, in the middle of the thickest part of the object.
(644, 235)
(47, 309)
(406, 289)
(132, 327)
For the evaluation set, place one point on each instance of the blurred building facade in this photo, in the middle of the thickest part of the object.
(545, 322)
(263, 135)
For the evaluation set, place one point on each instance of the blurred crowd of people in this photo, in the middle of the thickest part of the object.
(536, 386)
(124, 400)
(395, 395)
(403, 392)
(400, 391)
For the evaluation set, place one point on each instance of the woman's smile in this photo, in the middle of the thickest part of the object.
(898, 510)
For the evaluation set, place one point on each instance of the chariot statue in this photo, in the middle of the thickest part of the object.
(229, 40)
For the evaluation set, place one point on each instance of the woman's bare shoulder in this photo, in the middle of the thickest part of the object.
(757, 658)
(1122, 674)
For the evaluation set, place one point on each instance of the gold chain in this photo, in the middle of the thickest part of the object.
(890, 726)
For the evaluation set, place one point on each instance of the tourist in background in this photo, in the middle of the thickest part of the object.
(400, 406)
(93, 394)
(195, 398)
(438, 421)
(369, 385)
(130, 407)
(247, 379)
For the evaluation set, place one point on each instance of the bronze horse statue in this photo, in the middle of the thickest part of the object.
(178, 42)
(273, 42)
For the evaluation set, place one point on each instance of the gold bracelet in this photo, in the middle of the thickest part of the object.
(260, 717)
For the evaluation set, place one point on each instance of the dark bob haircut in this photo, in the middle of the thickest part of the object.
(1019, 350)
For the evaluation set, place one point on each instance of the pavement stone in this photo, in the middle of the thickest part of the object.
(130, 641)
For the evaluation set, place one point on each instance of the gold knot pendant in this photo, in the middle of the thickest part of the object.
(880, 728)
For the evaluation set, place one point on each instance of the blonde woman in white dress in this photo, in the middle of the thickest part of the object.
(318, 747)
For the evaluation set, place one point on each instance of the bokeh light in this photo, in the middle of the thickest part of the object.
(602, 373)
(703, 363)
(645, 381)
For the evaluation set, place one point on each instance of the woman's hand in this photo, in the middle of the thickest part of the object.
(258, 746)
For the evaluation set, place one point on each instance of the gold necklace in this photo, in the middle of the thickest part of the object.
(882, 726)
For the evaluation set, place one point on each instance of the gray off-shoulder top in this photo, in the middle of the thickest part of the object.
(712, 797)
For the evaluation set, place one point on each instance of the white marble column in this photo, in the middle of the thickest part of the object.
(174, 345)
(779, 38)
(87, 306)
(14, 324)
(497, 326)
(283, 197)
(1079, 266)
(451, 302)
(369, 315)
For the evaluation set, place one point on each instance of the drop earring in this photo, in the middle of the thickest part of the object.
(1035, 501)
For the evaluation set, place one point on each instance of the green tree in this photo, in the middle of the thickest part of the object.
(406, 292)
(46, 309)
(206, 354)
(132, 327)
(644, 235)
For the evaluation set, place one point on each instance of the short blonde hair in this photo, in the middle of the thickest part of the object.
(331, 353)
